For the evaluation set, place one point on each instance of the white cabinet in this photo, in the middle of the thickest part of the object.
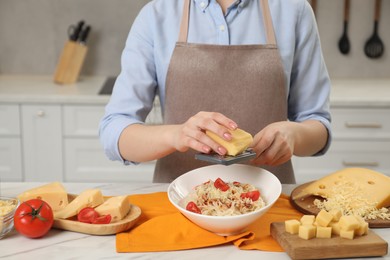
(84, 159)
(10, 144)
(361, 138)
(42, 142)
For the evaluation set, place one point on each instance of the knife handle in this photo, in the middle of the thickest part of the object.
(84, 34)
(74, 32)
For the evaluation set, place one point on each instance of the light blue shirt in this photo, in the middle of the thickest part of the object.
(153, 35)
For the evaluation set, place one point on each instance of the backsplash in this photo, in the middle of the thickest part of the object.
(33, 34)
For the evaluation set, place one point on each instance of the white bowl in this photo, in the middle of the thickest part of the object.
(268, 184)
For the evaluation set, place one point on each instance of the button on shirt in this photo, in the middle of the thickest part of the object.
(150, 43)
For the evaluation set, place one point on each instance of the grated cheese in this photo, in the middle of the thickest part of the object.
(6, 206)
(347, 197)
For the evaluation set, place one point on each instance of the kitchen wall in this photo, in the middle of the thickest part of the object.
(33, 32)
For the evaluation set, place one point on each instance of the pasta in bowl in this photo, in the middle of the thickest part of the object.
(224, 199)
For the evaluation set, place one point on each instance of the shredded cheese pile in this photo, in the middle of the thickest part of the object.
(348, 197)
(214, 202)
(6, 206)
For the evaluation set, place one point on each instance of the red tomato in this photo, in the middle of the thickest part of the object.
(33, 218)
(253, 195)
(105, 219)
(87, 215)
(191, 206)
(220, 184)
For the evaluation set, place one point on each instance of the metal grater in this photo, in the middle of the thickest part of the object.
(227, 159)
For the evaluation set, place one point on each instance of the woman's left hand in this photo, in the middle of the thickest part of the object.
(274, 144)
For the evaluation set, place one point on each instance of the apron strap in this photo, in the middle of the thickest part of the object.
(270, 34)
(264, 9)
(185, 18)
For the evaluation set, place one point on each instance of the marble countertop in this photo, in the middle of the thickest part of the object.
(42, 89)
(59, 244)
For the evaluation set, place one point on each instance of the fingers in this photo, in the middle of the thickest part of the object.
(193, 132)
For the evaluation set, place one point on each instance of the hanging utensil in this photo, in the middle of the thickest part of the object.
(344, 45)
(374, 47)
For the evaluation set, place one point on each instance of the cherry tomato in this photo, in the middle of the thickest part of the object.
(105, 219)
(253, 195)
(87, 215)
(33, 218)
(191, 206)
(221, 185)
(236, 183)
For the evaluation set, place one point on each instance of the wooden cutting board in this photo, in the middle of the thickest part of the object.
(306, 206)
(335, 247)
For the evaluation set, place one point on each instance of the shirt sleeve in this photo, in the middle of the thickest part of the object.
(135, 88)
(309, 84)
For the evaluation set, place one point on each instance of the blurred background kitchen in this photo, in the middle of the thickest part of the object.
(32, 37)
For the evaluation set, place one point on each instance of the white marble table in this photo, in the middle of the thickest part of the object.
(59, 244)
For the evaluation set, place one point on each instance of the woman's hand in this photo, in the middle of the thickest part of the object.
(192, 134)
(274, 144)
(278, 142)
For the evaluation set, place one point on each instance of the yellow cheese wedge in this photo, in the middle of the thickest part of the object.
(88, 198)
(117, 207)
(52, 193)
(374, 186)
(239, 143)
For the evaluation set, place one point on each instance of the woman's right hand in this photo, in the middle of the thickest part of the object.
(192, 134)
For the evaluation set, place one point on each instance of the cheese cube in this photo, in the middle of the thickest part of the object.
(349, 223)
(324, 218)
(363, 227)
(324, 232)
(307, 219)
(349, 234)
(117, 207)
(335, 227)
(53, 194)
(307, 231)
(239, 143)
(336, 214)
(292, 226)
(88, 198)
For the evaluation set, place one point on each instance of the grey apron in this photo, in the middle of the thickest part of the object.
(243, 82)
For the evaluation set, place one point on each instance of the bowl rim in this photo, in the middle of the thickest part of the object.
(266, 207)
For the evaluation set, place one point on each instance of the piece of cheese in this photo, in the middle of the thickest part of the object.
(52, 193)
(335, 227)
(292, 226)
(349, 223)
(239, 143)
(88, 198)
(372, 185)
(324, 232)
(349, 234)
(324, 218)
(117, 207)
(307, 231)
(307, 219)
(336, 213)
(363, 227)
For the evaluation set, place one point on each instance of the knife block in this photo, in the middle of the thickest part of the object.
(70, 63)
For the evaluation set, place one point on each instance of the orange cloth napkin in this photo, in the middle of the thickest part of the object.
(162, 227)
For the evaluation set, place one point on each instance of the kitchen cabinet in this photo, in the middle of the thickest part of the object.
(361, 138)
(10, 144)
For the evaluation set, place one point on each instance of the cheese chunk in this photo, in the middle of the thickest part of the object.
(336, 213)
(349, 223)
(307, 219)
(349, 234)
(292, 226)
(372, 185)
(117, 207)
(363, 227)
(335, 228)
(324, 232)
(52, 193)
(239, 143)
(88, 198)
(307, 231)
(324, 218)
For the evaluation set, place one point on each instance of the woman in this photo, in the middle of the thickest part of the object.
(252, 64)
